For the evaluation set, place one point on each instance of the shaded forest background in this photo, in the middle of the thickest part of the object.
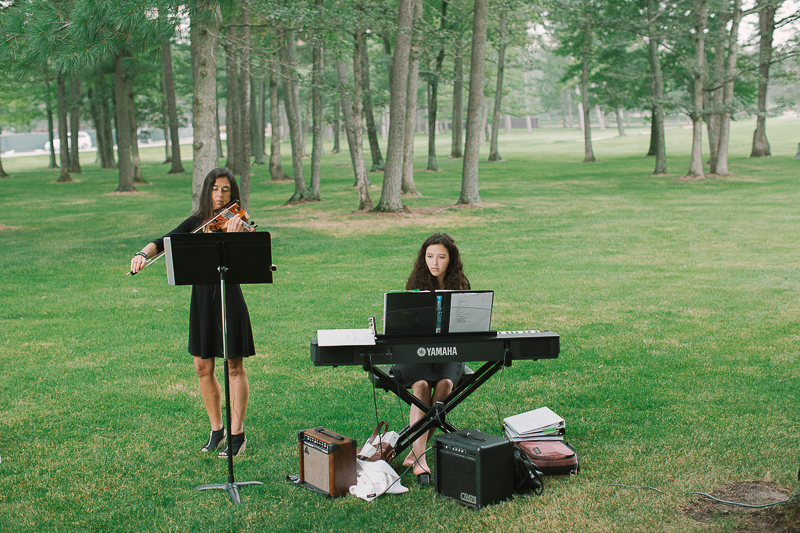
(253, 76)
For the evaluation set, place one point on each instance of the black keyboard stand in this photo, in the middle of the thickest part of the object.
(436, 415)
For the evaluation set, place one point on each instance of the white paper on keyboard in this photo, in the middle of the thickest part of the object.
(345, 337)
(470, 311)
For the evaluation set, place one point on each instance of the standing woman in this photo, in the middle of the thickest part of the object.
(437, 267)
(205, 324)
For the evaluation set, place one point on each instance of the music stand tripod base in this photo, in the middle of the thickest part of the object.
(232, 488)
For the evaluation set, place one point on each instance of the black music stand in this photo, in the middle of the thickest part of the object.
(210, 258)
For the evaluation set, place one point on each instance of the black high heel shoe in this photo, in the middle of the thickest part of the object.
(238, 443)
(215, 440)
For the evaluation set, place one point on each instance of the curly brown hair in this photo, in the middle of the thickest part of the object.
(454, 278)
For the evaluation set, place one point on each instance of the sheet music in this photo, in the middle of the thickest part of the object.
(345, 337)
(542, 420)
(470, 311)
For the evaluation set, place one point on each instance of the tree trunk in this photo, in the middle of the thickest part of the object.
(244, 69)
(727, 91)
(651, 150)
(407, 185)
(49, 107)
(392, 177)
(657, 140)
(337, 128)
(601, 118)
(275, 169)
(134, 125)
(469, 173)
(204, 107)
(570, 120)
(620, 127)
(109, 160)
(588, 156)
(259, 144)
(92, 97)
(353, 127)
(74, 122)
(316, 113)
(369, 115)
(713, 100)
(123, 125)
(292, 114)
(766, 25)
(304, 123)
(433, 92)
(62, 129)
(456, 149)
(232, 108)
(262, 97)
(172, 110)
(165, 121)
(494, 153)
(701, 19)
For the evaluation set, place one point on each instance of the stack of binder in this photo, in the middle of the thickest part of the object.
(538, 424)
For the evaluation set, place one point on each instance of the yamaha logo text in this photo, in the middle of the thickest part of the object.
(437, 351)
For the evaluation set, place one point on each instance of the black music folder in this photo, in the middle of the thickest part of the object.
(429, 313)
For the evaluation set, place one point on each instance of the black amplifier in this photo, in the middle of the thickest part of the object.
(473, 468)
(327, 461)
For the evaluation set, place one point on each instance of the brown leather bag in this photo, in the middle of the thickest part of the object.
(383, 450)
(551, 457)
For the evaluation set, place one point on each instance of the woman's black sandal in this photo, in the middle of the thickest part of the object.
(238, 443)
(215, 440)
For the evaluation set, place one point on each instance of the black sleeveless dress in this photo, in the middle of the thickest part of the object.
(205, 313)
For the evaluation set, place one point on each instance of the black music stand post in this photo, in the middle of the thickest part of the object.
(210, 258)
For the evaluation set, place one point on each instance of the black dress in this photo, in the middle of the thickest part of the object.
(205, 322)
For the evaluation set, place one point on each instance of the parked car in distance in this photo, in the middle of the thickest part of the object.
(84, 141)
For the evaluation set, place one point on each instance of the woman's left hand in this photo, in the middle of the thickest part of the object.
(234, 224)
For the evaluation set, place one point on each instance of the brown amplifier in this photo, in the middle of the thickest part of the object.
(327, 461)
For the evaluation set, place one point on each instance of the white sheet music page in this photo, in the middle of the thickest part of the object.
(345, 337)
(538, 420)
(470, 311)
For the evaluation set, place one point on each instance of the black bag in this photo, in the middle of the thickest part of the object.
(527, 478)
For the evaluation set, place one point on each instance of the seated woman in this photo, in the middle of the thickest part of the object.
(437, 267)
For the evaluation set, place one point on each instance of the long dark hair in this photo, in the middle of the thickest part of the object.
(454, 278)
(206, 208)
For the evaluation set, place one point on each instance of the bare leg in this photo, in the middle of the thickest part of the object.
(440, 391)
(209, 390)
(240, 394)
(422, 390)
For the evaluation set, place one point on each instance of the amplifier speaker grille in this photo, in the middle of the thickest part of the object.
(315, 468)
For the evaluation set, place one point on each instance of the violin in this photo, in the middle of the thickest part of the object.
(228, 212)
(215, 223)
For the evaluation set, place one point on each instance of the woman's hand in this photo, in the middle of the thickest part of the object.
(140, 259)
(137, 263)
(234, 224)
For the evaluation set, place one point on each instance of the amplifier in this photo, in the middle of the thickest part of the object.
(473, 468)
(327, 461)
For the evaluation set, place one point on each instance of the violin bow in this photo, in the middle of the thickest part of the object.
(232, 206)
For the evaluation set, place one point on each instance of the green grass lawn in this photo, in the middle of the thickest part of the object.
(676, 302)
